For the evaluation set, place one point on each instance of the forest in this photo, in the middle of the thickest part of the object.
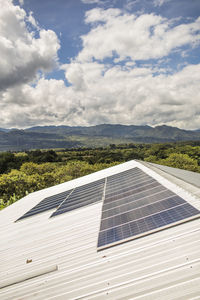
(24, 172)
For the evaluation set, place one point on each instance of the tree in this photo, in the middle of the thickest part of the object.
(181, 161)
(7, 161)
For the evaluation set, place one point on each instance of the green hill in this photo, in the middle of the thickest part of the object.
(45, 137)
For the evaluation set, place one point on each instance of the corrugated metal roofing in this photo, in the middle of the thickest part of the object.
(190, 181)
(188, 176)
(164, 265)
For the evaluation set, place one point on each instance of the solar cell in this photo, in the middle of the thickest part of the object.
(139, 208)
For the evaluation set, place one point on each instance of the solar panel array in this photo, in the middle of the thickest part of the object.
(69, 200)
(82, 196)
(136, 204)
(47, 204)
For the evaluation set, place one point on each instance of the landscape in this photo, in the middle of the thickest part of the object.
(48, 137)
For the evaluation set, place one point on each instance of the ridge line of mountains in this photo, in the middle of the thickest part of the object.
(46, 137)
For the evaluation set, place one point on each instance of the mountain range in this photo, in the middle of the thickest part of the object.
(45, 137)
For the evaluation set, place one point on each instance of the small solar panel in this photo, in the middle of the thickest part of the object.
(82, 196)
(135, 205)
(47, 204)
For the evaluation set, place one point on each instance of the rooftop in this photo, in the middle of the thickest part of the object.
(44, 257)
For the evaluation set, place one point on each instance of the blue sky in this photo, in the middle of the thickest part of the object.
(66, 18)
(87, 62)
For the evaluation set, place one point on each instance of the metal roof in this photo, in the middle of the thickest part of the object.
(187, 176)
(188, 180)
(58, 256)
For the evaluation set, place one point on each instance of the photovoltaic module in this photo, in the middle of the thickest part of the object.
(136, 204)
(47, 204)
(82, 196)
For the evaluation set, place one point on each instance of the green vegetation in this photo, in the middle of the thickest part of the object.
(25, 172)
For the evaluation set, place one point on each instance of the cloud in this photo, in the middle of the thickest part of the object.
(135, 96)
(130, 4)
(144, 37)
(24, 48)
(160, 2)
(81, 76)
(117, 90)
(32, 21)
(106, 95)
(48, 102)
(105, 82)
(100, 15)
(92, 1)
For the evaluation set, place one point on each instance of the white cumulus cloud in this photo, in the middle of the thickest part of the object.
(134, 95)
(112, 95)
(147, 36)
(23, 52)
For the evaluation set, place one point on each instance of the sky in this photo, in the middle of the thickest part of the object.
(89, 62)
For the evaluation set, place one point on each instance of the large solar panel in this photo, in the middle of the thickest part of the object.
(82, 196)
(136, 204)
(47, 204)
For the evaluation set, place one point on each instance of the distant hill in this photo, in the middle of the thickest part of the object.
(4, 129)
(44, 137)
(17, 140)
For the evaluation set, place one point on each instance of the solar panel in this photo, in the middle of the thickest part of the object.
(141, 207)
(47, 204)
(82, 196)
